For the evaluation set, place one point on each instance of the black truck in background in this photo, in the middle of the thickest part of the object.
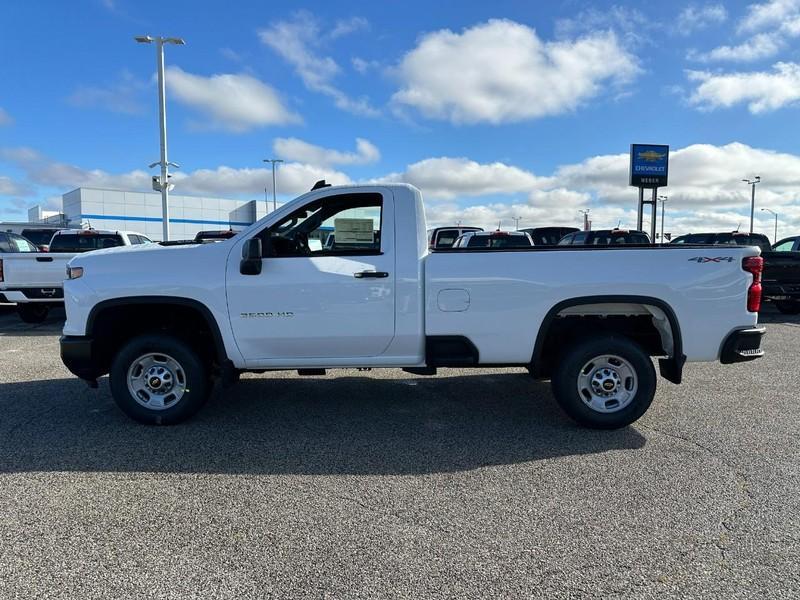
(781, 278)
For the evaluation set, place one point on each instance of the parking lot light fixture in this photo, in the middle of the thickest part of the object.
(752, 183)
(163, 183)
(772, 212)
(274, 161)
(663, 202)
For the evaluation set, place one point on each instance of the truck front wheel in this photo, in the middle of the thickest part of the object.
(33, 312)
(604, 382)
(158, 379)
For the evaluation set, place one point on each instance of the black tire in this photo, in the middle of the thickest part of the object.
(788, 307)
(193, 373)
(33, 312)
(567, 373)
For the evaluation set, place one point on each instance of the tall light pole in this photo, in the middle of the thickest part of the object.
(776, 222)
(163, 184)
(752, 183)
(274, 194)
(585, 214)
(663, 202)
(516, 222)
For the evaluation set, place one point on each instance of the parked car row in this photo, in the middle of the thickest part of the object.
(33, 279)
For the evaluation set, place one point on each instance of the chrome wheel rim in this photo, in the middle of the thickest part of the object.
(156, 381)
(607, 383)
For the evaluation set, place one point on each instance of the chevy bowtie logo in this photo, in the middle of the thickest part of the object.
(709, 259)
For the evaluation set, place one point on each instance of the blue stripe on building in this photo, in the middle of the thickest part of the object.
(158, 220)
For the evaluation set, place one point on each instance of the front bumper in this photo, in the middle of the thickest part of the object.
(22, 295)
(78, 355)
(742, 345)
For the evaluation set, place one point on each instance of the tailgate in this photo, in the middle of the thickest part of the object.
(782, 267)
(39, 270)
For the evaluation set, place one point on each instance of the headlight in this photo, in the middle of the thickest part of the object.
(74, 272)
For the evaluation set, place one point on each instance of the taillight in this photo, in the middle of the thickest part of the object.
(755, 266)
(1, 270)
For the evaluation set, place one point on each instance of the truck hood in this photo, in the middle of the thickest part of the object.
(140, 252)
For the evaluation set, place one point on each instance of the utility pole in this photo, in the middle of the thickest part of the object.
(663, 202)
(585, 214)
(274, 193)
(516, 222)
(752, 183)
(776, 222)
(163, 184)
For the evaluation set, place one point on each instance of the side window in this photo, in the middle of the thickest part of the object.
(784, 247)
(349, 224)
(566, 240)
(134, 239)
(580, 238)
(4, 245)
(20, 244)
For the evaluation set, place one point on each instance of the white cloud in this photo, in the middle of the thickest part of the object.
(234, 103)
(447, 178)
(501, 72)
(363, 66)
(705, 191)
(293, 178)
(9, 187)
(123, 96)
(298, 42)
(771, 14)
(345, 27)
(297, 150)
(758, 47)
(5, 118)
(769, 25)
(761, 91)
(695, 18)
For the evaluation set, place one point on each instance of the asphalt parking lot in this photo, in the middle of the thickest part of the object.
(363, 485)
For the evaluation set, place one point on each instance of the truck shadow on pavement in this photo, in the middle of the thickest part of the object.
(290, 425)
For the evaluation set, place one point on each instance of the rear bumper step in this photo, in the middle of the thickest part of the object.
(742, 345)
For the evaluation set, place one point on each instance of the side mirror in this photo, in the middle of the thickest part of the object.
(251, 257)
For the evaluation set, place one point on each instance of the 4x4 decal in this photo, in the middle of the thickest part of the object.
(708, 259)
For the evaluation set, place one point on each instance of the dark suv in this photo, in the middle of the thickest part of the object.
(605, 237)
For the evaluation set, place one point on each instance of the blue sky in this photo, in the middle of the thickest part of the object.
(493, 109)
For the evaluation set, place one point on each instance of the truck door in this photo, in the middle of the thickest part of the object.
(314, 299)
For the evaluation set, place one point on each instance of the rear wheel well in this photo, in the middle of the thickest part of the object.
(113, 325)
(649, 326)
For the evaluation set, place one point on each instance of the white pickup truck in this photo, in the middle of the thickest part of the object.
(33, 280)
(166, 322)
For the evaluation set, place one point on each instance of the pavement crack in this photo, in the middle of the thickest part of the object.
(727, 524)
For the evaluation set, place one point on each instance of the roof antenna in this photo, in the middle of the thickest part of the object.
(320, 184)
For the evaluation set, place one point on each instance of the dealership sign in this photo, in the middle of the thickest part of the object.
(649, 165)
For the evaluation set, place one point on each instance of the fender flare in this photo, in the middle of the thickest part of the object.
(671, 368)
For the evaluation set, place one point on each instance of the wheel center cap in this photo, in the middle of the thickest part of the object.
(608, 385)
(155, 383)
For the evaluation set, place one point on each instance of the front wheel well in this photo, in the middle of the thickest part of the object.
(113, 324)
(652, 326)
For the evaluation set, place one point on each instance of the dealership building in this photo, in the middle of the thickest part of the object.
(102, 208)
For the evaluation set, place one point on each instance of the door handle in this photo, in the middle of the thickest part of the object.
(44, 259)
(370, 274)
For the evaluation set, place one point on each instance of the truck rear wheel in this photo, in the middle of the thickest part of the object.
(158, 379)
(604, 382)
(33, 312)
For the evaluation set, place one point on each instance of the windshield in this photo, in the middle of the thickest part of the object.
(498, 241)
(83, 242)
(40, 237)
